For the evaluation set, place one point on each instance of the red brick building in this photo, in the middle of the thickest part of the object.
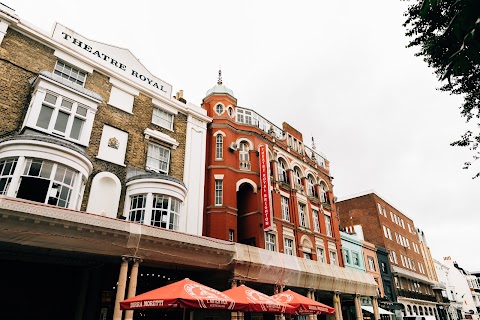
(386, 226)
(304, 216)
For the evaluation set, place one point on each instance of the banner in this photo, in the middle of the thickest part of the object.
(265, 188)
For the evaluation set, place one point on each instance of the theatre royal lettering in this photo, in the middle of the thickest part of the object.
(115, 59)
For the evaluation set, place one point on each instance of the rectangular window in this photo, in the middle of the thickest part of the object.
(328, 225)
(371, 263)
(389, 234)
(393, 257)
(320, 255)
(7, 167)
(288, 246)
(379, 208)
(385, 233)
(346, 254)
(231, 235)
(285, 208)
(270, 241)
(307, 255)
(391, 216)
(165, 212)
(137, 208)
(162, 118)
(70, 73)
(158, 158)
(316, 224)
(61, 116)
(219, 147)
(355, 258)
(301, 213)
(333, 257)
(218, 192)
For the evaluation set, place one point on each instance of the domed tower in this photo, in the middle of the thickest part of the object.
(219, 100)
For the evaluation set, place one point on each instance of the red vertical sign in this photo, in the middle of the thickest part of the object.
(265, 187)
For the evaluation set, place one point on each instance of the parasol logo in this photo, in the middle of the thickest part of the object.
(284, 297)
(208, 297)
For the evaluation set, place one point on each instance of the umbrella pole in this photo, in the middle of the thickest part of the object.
(184, 313)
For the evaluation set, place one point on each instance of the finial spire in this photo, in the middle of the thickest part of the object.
(219, 81)
(313, 144)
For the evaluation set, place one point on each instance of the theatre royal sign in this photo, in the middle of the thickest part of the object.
(116, 59)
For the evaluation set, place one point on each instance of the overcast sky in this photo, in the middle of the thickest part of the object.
(335, 70)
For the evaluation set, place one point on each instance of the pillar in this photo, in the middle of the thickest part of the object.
(122, 283)
(132, 285)
(311, 295)
(337, 306)
(358, 307)
(376, 312)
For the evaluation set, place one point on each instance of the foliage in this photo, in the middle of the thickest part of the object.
(447, 33)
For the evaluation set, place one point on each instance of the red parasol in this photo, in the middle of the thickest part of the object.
(302, 304)
(183, 294)
(257, 301)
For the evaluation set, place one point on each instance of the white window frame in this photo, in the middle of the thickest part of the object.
(7, 168)
(333, 257)
(316, 222)
(288, 246)
(356, 258)
(218, 192)
(158, 163)
(163, 118)
(218, 146)
(321, 255)
(231, 235)
(347, 257)
(302, 215)
(285, 208)
(282, 171)
(70, 73)
(328, 225)
(244, 155)
(270, 241)
(311, 186)
(371, 263)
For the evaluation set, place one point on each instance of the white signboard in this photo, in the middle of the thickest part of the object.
(119, 60)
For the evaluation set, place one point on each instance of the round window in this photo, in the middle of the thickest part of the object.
(219, 109)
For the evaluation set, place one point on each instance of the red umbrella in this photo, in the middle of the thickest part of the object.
(257, 301)
(183, 294)
(302, 304)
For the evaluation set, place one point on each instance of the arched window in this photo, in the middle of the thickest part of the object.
(323, 192)
(431, 312)
(420, 309)
(244, 156)
(297, 177)
(415, 310)
(219, 147)
(409, 310)
(282, 171)
(311, 186)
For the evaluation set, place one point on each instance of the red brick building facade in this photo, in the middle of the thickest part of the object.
(386, 226)
(304, 214)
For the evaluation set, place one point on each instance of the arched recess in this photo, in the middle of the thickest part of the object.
(248, 214)
(241, 181)
(105, 194)
(307, 247)
(250, 144)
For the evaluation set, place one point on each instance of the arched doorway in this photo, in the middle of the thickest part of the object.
(249, 218)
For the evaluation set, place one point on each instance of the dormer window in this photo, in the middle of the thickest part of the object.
(70, 73)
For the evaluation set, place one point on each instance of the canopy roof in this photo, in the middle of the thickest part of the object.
(302, 304)
(257, 301)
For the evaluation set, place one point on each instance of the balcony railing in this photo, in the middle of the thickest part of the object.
(244, 165)
(415, 295)
(250, 117)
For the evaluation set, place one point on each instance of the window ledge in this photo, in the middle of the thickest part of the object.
(161, 136)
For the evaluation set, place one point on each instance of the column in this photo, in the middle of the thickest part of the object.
(337, 306)
(376, 312)
(358, 307)
(311, 295)
(122, 283)
(132, 285)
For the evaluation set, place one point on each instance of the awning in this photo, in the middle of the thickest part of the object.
(380, 310)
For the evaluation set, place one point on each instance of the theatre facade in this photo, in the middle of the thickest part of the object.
(103, 183)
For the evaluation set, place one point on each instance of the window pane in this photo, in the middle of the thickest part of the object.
(82, 111)
(61, 123)
(50, 98)
(76, 128)
(67, 104)
(44, 117)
